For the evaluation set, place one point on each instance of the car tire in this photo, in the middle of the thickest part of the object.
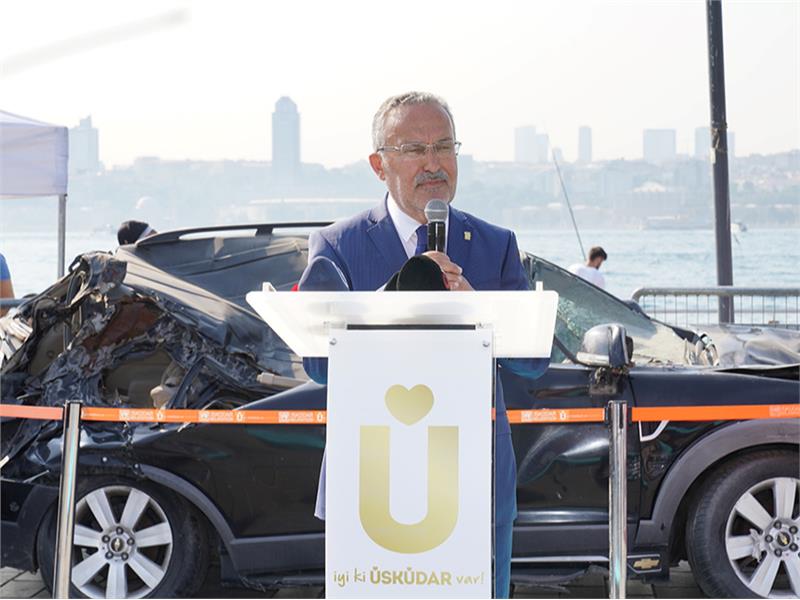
(133, 539)
(742, 531)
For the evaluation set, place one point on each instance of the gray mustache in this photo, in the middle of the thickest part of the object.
(425, 177)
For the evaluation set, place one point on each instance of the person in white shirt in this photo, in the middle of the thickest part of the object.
(590, 271)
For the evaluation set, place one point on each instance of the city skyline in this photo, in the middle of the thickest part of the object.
(202, 87)
(530, 145)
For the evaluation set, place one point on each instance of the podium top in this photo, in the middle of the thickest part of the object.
(523, 321)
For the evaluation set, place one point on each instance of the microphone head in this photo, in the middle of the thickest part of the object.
(436, 210)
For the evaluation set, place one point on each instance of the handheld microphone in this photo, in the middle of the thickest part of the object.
(436, 213)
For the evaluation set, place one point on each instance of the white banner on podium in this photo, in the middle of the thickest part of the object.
(409, 454)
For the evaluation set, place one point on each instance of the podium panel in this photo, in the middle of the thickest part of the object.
(409, 475)
(523, 321)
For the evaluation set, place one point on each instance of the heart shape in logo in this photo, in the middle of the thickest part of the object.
(409, 406)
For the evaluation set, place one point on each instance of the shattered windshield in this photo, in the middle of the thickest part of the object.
(581, 306)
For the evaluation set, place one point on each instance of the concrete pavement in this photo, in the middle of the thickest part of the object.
(22, 584)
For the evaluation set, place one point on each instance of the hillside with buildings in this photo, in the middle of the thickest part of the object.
(662, 189)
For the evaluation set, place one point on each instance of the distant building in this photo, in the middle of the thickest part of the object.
(84, 151)
(558, 155)
(525, 144)
(658, 145)
(585, 144)
(531, 147)
(285, 140)
(542, 145)
(466, 168)
(702, 143)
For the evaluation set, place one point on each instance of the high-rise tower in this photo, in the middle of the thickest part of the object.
(84, 152)
(585, 144)
(285, 139)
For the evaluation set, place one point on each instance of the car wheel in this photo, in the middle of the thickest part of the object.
(131, 540)
(743, 532)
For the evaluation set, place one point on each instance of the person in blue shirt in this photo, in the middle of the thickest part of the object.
(6, 288)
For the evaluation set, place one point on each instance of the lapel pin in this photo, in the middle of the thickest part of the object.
(468, 235)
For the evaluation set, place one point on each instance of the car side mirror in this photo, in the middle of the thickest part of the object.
(606, 346)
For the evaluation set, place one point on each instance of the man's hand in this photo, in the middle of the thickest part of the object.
(452, 272)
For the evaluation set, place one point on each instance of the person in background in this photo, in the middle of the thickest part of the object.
(132, 231)
(6, 288)
(590, 271)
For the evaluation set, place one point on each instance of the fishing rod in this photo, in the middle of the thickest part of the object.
(569, 206)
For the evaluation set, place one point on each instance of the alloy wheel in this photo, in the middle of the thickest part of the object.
(762, 538)
(122, 543)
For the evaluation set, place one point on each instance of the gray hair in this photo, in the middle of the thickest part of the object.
(405, 99)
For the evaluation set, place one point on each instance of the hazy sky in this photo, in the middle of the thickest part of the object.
(205, 87)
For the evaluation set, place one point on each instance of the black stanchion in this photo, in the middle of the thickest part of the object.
(66, 499)
(617, 498)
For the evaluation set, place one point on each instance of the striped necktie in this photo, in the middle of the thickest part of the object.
(422, 240)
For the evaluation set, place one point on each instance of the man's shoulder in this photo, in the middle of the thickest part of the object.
(344, 228)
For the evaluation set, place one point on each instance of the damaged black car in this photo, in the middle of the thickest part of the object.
(164, 324)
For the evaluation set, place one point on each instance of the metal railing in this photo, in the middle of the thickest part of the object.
(687, 306)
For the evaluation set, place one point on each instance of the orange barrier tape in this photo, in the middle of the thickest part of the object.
(564, 415)
(247, 417)
(42, 413)
(716, 413)
(320, 417)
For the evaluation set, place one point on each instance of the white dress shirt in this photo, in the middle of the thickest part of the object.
(406, 226)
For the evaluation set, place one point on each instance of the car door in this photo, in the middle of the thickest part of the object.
(562, 469)
(562, 475)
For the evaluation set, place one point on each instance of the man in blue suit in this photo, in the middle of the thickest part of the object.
(415, 151)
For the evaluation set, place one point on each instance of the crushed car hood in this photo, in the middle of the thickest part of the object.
(741, 345)
(108, 332)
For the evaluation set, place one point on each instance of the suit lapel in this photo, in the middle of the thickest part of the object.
(384, 235)
(458, 238)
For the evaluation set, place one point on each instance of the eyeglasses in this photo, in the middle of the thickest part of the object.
(443, 149)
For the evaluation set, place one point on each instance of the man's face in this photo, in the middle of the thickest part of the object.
(413, 181)
(596, 263)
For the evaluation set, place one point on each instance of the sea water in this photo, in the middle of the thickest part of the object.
(762, 258)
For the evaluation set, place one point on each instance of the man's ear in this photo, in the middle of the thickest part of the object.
(376, 162)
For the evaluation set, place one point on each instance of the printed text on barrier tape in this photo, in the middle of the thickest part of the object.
(317, 417)
(661, 413)
(248, 417)
(716, 413)
(565, 415)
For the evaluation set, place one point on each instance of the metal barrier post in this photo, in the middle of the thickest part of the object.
(617, 498)
(66, 499)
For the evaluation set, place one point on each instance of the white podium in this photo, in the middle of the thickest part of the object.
(409, 435)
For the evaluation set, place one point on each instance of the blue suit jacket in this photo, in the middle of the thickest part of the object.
(368, 251)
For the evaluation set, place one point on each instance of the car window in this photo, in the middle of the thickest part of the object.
(581, 306)
(229, 267)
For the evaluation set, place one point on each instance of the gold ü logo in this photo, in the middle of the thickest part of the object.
(408, 407)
